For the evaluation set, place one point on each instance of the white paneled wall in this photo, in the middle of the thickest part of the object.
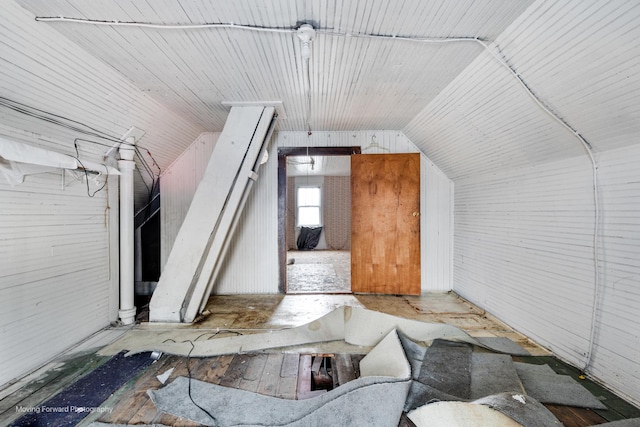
(58, 248)
(524, 208)
(178, 184)
(58, 265)
(252, 263)
(617, 355)
(436, 228)
(524, 252)
(43, 69)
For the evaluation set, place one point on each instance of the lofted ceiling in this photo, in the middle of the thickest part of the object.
(470, 108)
(355, 82)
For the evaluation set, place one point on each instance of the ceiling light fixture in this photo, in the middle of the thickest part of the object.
(306, 34)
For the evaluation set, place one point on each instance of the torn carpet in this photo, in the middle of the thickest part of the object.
(505, 410)
(542, 382)
(354, 325)
(376, 398)
(452, 371)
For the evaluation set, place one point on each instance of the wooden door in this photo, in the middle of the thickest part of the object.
(385, 223)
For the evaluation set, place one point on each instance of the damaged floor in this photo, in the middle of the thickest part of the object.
(282, 373)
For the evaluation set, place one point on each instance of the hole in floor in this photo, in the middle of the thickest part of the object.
(322, 375)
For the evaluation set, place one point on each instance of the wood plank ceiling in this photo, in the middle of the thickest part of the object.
(356, 82)
(580, 58)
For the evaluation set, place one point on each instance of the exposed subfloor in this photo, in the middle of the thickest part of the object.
(255, 372)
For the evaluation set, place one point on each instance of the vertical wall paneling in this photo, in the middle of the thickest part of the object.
(523, 202)
(252, 263)
(42, 68)
(617, 352)
(436, 237)
(58, 264)
(524, 206)
(524, 252)
(178, 185)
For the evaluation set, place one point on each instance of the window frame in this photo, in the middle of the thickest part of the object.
(318, 206)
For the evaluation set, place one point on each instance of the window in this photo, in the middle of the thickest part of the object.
(308, 203)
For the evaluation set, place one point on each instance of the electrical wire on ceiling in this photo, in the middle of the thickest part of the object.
(82, 128)
(231, 25)
(161, 26)
(305, 32)
(431, 40)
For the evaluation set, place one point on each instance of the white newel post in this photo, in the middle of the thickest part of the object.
(127, 312)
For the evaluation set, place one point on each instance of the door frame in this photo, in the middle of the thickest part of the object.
(283, 153)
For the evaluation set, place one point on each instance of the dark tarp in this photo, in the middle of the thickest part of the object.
(309, 238)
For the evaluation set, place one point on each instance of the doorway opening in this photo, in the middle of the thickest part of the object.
(314, 219)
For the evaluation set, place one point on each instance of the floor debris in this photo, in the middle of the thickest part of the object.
(165, 376)
(355, 325)
(376, 398)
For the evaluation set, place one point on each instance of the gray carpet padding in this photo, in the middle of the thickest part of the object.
(451, 371)
(447, 367)
(423, 394)
(365, 401)
(376, 398)
(542, 383)
(492, 374)
(533, 369)
(503, 345)
(443, 374)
